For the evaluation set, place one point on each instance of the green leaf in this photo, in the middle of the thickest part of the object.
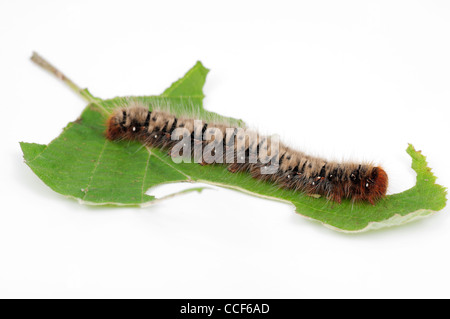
(81, 163)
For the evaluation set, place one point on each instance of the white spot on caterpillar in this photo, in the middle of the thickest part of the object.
(134, 128)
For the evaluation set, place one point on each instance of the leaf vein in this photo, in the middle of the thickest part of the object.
(145, 176)
(179, 171)
(95, 169)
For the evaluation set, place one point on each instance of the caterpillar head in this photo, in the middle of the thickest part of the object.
(374, 186)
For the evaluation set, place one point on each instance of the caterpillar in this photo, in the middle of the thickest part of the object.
(295, 170)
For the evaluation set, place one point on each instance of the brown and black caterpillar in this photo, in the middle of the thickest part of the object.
(295, 170)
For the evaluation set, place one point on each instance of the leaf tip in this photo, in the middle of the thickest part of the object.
(31, 150)
(199, 64)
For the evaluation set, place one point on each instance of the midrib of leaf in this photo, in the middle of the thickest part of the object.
(167, 163)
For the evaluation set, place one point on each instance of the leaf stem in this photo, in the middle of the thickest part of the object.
(84, 93)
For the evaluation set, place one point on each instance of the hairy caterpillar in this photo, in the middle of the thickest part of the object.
(295, 170)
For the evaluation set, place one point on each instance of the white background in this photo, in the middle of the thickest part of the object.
(342, 79)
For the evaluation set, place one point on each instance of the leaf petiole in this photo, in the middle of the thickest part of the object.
(83, 93)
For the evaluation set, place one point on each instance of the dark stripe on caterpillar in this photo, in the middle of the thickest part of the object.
(204, 128)
(124, 119)
(173, 127)
(281, 159)
(147, 120)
